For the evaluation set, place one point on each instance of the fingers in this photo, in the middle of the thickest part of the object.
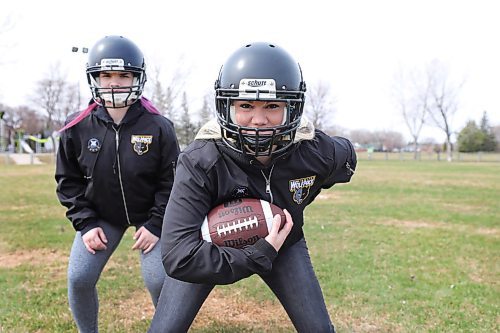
(139, 244)
(138, 233)
(95, 244)
(277, 237)
(149, 248)
(145, 240)
(102, 235)
(144, 244)
(140, 239)
(289, 221)
(276, 224)
(87, 246)
(95, 239)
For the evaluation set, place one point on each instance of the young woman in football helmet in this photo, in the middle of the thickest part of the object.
(115, 168)
(260, 146)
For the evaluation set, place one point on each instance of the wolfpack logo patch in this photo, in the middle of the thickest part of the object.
(141, 143)
(300, 188)
(93, 145)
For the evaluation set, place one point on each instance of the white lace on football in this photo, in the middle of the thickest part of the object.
(238, 225)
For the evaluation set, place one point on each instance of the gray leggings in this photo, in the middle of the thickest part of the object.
(84, 270)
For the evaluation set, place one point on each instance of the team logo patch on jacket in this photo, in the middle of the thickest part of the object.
(141, 143)
(93, 145)
(300, 188)
(240, 192)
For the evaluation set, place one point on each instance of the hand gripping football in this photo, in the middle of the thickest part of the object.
(240, 222)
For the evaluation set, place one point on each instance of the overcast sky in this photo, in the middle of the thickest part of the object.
(355, 46)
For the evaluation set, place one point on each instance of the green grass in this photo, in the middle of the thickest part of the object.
(405, 247)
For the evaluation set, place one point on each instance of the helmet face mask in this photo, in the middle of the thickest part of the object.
(116, 54)
(260, 72)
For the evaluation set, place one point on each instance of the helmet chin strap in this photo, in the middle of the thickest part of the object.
(118, 99)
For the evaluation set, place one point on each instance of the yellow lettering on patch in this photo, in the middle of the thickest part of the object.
(141, 139)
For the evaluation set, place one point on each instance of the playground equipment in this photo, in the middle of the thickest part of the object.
(41, 145)
(26, 147)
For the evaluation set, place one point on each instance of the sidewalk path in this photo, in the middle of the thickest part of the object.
(24, 159)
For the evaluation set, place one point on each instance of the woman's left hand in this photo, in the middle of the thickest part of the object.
(277, 236)
(144, 240)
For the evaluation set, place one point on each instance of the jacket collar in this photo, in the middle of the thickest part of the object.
(133, 113)
(212, 130)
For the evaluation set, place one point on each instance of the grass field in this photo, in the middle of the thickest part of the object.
(405, 247)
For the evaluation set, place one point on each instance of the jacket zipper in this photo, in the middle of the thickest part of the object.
(350, 171)
(268, 182)
(117, 138)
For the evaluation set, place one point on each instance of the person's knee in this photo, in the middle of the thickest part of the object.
(154, 279)
(154, 288)
(82, 279)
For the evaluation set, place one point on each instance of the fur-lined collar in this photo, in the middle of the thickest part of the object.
(211, 130)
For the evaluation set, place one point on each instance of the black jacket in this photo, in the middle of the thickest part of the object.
(121, 174)
(209, 173)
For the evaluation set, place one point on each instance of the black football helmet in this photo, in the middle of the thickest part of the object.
(260, 72)
(116, 53)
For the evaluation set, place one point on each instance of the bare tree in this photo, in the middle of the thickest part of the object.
(8, 123)
(168, 97)
(496, 132)
(21, 119)
(28, 120)
(48, 95)
(320, 104)
(70, 102)
(392, 140)
(379, 140)
(11, 117)
(186, 129)
(161, 97)
(207, 110)
(361, 136)
(412, 102)
(441, 100)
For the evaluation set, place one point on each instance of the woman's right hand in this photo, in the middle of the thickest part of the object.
(276, 236)
(95, 239)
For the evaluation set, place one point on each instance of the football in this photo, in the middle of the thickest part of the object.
(240, 222)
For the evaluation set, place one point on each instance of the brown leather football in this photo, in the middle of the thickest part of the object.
(240, 222)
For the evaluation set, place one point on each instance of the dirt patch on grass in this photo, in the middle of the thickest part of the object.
(484, 231)
(332, 195)
(488, 231)
(237, 310)
(218, 308)
(348, 321)
(33, 257)
(461, 208)
(230, 308)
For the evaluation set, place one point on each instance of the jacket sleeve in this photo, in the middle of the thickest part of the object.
(345, 161)
(169, 154)
(185, 255)
(71, 187)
